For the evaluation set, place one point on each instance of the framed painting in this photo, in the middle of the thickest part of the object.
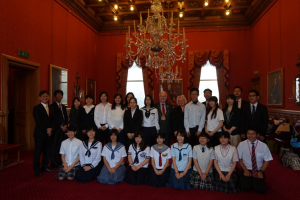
(59, 81)
(275, 88)
(90, 88)
(173, 90)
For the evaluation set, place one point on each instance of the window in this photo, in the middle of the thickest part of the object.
(208, 79)
(135, 84)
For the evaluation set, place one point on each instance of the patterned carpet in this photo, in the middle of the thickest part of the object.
(19, 182)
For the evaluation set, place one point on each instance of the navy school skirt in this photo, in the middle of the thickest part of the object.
(87, 176)
(157, 180)
(107, 178)
(183, 183)
(150, 134)
(136, 177)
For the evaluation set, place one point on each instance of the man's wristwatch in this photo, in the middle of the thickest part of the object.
(261, 171)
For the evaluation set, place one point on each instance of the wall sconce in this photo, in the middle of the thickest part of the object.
(180, 12)
(131, 3)
(115, 16)
(116, 6)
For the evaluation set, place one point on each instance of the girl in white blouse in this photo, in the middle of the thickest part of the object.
(115, 116)
(214, 121)
(150, 125)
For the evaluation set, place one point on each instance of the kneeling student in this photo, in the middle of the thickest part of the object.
(254, 159)
(159, 173)
(138, 158)
(69, 151)
(89, 157)
(113, 154)
(181, 153)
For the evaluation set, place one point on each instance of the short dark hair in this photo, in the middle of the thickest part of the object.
(103, 92)
(89, 96)
(72, 128)
(151, 98)
(43, 92)
(182, 133)
(58, 91)
(238, 87)
(194, 89)
(114, 131)
(252, 127)
(254, 91)
(207, 89)
(90, 128)
(134, 99)
(225, 135)
(161, 135)
(204, 134)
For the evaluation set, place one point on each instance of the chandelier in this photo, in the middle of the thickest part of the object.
(158, 50)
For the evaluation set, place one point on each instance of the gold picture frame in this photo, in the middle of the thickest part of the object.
(275, 89)
(173, 89)
(58, 81)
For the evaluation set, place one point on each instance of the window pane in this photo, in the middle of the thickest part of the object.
(137, 88)
(208, 71)
(135, 73)
(213, 85)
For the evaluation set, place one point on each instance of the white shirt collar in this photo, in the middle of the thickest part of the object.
(253, 142)
(44, 104)
(253, 104)
(90, 107)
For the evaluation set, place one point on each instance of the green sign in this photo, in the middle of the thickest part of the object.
(23, 53)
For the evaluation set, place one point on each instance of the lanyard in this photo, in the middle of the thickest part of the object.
(249, 147)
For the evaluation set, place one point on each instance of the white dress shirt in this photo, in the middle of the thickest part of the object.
(194, 115)
(95, 156)
(70, 148)
(212, 123)
(165, 155)
(101, 113)
(115, 118)
(262, 153)
(152, 120)
(239, 103)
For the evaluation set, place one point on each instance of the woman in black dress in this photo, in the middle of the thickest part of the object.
(86, 118)
(74, 112)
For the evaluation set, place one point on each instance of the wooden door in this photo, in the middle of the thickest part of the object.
(256, 85)
(21, 102)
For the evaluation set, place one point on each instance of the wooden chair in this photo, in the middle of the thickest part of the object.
(280, 142)
(273, 135)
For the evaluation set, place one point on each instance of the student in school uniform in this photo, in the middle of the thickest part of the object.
(181, 153)
(232, 119)
(115, 117)
(74, 112)
(133, 119)
(100, 118)
(138, 158)
(69, 151)
(113, 154)
(214, 121)
(254, 159)
(86, 118)
(159, 173)
(89, 157)
(128, 96)
(150, 125)
(226, 157)
(203, 156)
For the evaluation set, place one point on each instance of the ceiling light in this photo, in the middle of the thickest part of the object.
(131, 8)
(206, 3)
(115, 18)
(100, 0)
(116, 6)
(180, 14)
(227, 12)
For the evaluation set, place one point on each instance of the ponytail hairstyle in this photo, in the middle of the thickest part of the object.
(204, 134)
(214, 113)
(143, 146)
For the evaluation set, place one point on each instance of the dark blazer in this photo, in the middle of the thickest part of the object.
(244, 104)
(165, 125)
(133, 124)
(42, 120)
(204, 102)
(177, 119)
(233, 120)
(59, 120)
(260, 120)
(86, 119)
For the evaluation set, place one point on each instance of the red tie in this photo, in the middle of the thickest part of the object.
(253, 158)
(163, 109)
(160, 161)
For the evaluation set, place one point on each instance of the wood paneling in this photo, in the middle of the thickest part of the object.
(291, 116)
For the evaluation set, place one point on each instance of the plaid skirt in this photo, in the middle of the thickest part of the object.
(63, 174)
(231, 186)
(197, 182)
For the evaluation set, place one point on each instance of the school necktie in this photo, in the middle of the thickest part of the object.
(160, 160)
(61, 111)
(163, 109)
(136, 159)
(203, 150)
(253, 158)
(253, 111)
(47, 110)
(180, 156)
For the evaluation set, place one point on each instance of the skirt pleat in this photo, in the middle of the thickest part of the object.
(136, 177)
(107, 178)
(157, 180)
(231, 186)
(183, 183)
(197, 182)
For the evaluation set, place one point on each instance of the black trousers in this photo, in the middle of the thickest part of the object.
(42, 145)
(103, 135)
(58, 137)
(193, 139)
(249, 183)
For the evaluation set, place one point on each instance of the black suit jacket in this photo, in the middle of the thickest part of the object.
(233, 120)
(244, 104)
(177, 119)
(165, 125)
(42, 120)
(86, 119)
(204, 102)
(133, 124)
(59, 119)
(260, 119)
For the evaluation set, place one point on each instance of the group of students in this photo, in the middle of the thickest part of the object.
(143, 134)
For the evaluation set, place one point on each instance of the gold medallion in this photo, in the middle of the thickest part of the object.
(163, 117)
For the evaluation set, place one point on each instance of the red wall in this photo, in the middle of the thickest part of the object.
(275, 43)
(51, 35)
(235, 41)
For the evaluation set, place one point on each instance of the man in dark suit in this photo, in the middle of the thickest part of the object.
(61, 123)
(44, 118)
(255, 114)
(164, 114)
(207, 94)
(237, 91)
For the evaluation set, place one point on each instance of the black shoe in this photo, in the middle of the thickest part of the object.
(37, 174)
(55, 166)
(47, 169)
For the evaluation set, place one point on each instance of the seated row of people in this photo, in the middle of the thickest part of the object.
(82, 162)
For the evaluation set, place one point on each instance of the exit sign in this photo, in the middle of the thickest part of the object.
(23, 53)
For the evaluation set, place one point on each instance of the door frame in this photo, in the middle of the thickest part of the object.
(7, 62)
